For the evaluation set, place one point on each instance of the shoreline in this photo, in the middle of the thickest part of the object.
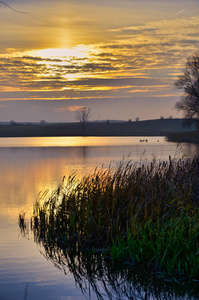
(158, 127)
(184, 137)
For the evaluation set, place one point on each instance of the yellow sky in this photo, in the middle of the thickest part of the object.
(63, 54)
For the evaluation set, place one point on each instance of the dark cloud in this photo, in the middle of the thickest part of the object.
(115, 46)
(41, 59)
(190, 41)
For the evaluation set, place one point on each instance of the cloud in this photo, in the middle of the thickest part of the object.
(69, 108)
(151, 55)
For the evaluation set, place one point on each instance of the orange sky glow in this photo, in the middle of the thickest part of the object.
(121, 59)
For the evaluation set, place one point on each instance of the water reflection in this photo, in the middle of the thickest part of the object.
(95, 273)
(77, 141)
(41, 168)
(34, 167)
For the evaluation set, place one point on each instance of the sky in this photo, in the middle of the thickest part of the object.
(118, 58)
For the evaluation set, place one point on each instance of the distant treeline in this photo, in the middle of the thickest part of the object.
(157, 127)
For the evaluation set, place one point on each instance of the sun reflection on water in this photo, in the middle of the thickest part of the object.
(79, 141)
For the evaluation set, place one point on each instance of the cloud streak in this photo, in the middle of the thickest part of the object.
(179, 12)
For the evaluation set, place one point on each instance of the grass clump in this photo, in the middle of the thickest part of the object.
(135, 214)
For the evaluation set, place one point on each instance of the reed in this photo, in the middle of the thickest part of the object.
(138, 214)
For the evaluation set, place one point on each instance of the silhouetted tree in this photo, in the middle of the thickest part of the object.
(189, 82)
(83, 115)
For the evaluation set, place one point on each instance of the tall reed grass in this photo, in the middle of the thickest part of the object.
(135, 214)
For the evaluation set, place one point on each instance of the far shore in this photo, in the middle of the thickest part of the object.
(184, 137)
(158, 127)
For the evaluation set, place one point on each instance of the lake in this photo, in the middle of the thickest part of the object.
(31, 165)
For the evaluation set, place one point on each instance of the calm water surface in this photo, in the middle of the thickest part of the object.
(31, 165)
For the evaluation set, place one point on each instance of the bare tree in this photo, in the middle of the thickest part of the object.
(189, 82)
(83, 115)
(10, 7)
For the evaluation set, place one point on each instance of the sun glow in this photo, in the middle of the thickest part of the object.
(78, 52)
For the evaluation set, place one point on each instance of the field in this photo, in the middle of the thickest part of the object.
(158, 127)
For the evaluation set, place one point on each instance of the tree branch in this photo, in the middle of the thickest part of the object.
(10, 7)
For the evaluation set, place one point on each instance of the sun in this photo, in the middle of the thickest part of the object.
(78, 52)
(55, 58)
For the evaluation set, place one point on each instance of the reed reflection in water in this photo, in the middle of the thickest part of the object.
(94, 272)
